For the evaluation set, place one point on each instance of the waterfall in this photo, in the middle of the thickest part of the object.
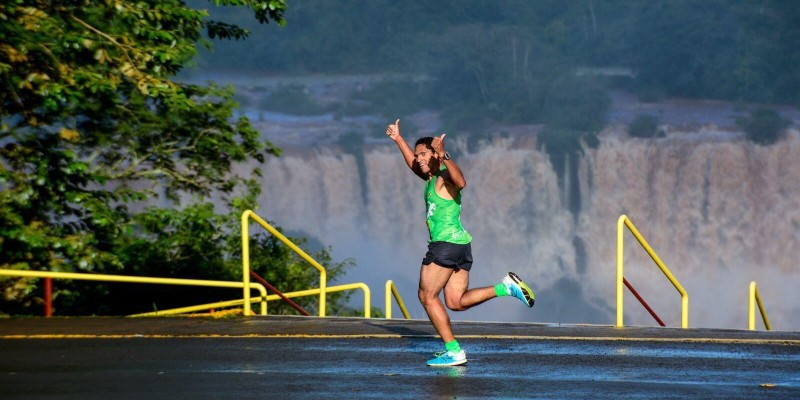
(719, 212)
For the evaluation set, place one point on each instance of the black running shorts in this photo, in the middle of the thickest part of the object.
(449, 255)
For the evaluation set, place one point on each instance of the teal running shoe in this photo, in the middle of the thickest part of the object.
(517, 288)
(449, 359)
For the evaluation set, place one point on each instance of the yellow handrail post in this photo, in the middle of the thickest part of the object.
(391, 290)
(620, 255)
(388, 302)
(323, 276)
(753, 299)
(625, 221)
(359, 285)
(246, 262)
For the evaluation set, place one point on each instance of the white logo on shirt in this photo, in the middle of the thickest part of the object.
(431, 209)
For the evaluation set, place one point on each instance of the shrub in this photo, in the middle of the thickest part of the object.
(643, 126)
(576, 105)
(765, 126)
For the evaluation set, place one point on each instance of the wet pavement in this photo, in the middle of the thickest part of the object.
(307, 357)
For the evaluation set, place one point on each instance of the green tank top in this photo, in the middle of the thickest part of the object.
(443, 217)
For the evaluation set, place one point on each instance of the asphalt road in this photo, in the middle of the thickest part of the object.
(301, 357)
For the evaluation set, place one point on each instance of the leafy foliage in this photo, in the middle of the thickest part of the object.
(643, 126)
(764, 126)
(576, 104)
(94, 127)
(717, 49)
(745, 50)
(198, 243)
(297, 274)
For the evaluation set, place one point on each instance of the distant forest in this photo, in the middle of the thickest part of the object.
(521, 61)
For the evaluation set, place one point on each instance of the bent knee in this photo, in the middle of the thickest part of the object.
(455, 305)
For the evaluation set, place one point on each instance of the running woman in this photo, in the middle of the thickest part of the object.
(448, 261)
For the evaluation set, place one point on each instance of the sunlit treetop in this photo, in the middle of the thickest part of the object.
(91, 120)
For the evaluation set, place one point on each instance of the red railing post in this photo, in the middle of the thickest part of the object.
(48, 297)
(641, 300)
(282, 296)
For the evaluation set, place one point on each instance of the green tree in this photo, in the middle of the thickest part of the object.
(643, 126)
(764, 126)
(198, 243)
(296, 274)
(743, 51)
(93, 123)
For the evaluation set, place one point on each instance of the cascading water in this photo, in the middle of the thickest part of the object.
(720, 212)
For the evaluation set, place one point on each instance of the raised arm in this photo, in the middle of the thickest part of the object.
(393, 131)
(454, 175)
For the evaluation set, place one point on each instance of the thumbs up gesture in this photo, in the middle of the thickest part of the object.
(393, 130)
(438, 144)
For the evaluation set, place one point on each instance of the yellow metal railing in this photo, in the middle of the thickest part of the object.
(272, 297)
(323, 277)
(199, 307)
(755, 298)
(138, 279)
(391, 289)
(622, 222)
(349, 286)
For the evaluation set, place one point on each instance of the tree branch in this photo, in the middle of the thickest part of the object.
(110, 39)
